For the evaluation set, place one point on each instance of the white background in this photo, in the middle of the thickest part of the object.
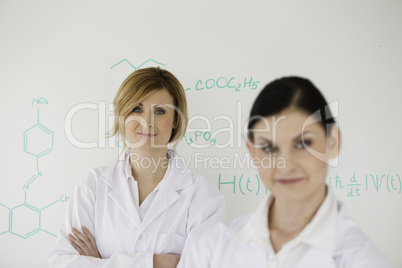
(63, 51)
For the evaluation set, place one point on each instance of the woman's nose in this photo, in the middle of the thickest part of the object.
(289, 162)
(147, 120)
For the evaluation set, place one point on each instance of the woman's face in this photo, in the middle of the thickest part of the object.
(298, 149)
(150, 124)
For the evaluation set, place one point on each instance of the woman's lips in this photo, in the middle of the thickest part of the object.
(289, 181)
(146, 135)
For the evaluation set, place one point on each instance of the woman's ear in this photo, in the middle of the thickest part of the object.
(334, 141)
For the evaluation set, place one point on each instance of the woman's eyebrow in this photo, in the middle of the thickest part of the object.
(166, 105)
(301, 135)
(264, 140)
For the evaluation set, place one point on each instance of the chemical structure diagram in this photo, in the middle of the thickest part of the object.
(136, 68)
(24, 220)
(139, 66)
(233, 83)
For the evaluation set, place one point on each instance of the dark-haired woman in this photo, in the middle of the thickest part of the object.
(300, 223)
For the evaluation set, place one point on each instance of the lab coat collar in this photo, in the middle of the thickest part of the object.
(166, 197)
(178, 174)
(122, 196)
(255, 230)
(320, 233)
(177, 177)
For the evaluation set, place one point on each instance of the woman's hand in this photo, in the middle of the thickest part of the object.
(166, 260)
(84, 243)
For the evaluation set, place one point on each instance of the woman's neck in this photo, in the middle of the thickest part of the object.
(149, 166)
(291, 216)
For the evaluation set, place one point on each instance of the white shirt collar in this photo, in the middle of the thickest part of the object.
(178, 174)
(127, 164)
(128, 171)
(319, 233)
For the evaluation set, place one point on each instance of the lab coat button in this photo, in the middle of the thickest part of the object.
(140, 237)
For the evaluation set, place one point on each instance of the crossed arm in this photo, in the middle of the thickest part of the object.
(85, 244)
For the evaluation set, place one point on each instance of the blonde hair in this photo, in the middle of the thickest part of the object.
(138, 86)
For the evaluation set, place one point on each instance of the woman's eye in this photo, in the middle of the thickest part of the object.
(137, 110)
(160, 111)
(268, 148)
(303, 144)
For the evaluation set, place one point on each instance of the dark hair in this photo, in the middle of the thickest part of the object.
(290, 92)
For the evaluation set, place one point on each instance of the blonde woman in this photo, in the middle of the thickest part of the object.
(139, 211)
(300, 223)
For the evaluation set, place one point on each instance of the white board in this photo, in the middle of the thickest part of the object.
(61, 63)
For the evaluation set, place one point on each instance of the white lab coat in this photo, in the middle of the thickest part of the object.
(103, 203)
(240, 244)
